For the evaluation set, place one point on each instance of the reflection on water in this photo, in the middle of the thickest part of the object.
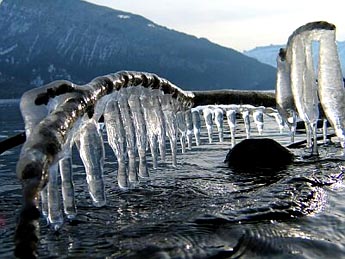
(199, 210)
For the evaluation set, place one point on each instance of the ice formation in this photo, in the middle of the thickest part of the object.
(301, 89)
(258, 116)
(196, 124)
(218, 119)
(141, 110)
(208, 117)
(60, 114)
(284, 97)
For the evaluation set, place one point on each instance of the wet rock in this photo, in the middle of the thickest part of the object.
(253, 154)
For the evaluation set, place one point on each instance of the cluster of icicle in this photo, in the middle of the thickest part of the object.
(300, 88)
(136, 119)
(215, 114)
(61, 114)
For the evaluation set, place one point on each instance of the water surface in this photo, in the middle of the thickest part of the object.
(201, 209)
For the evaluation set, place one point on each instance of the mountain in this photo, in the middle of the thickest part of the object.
(268, 54)
(41, 41)
(265, 54)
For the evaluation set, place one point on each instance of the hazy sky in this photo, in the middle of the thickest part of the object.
(239, 24)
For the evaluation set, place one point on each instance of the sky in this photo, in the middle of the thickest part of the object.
(238, 24)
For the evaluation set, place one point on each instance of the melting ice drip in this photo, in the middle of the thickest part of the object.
(299, 91)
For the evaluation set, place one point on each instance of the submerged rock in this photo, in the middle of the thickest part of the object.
(264, 153)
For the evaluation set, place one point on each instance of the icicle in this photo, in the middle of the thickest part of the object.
(44, 203)
(54, 211)
(67, 187)
(168, 109)
(32, 115)
(182, 129)
(311, 99)
(189, 125)
(116, 139)
(219, 118)
(278, 118)
(293, 126)
(279, 121)
(303, 84)
(129, 136)
(66, 171)
(140, 133)
(196, 125)
(208, 114)
(151, 126)
(231, 118)
(91, 151)
(258, 117)
(246, 119)
(284, 96)
(331, 85)
(160, 126)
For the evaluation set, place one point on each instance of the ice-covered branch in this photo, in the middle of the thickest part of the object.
(256, 98)
(50, 132)
(61, 113)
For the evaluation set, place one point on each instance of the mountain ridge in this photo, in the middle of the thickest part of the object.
(268, 54)
(42, 41)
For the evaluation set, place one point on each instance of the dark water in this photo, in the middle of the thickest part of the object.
(199, 210)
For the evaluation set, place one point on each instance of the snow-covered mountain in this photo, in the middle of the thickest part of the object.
(268, 54)
(41, 41)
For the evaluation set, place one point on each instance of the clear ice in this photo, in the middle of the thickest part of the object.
(246, 119)
(258, 117)
(140, 122)
(208, 117)
(218, 119)
(296, 77)
(231, 118)
(116, 139)
(169, 112)
(134, 118)
(284, 97)
(140, 132)
(91, 150)
(196, 125)
(331, 85)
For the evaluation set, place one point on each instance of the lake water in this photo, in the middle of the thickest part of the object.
(201, 209)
